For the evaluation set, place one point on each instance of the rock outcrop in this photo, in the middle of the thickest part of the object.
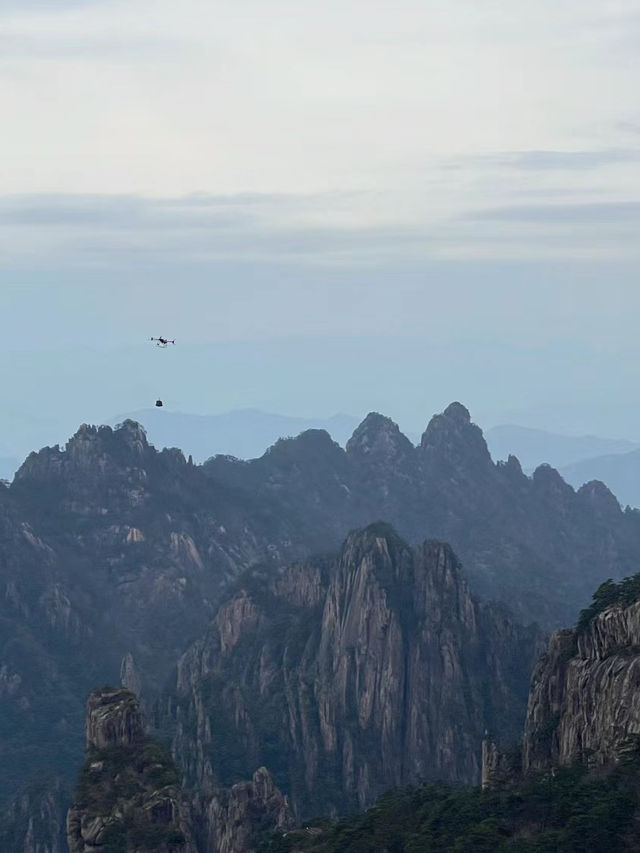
(369, 671)
(584, 704)
(113, 720)
(233, 820)
(128, 799)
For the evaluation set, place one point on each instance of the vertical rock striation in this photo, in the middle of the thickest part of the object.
(128, 799)
(585, 695)
(232, 820)
(373, 670)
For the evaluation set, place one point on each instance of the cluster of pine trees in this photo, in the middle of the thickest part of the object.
(571, 811)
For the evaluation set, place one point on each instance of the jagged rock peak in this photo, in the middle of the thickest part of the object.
(113, 718)
(89, 440)
(454, 438)
(128, 797)
(379, 438)
(513, 464)
(92, 449)
(234, 818)
(132, 433)
(547, 478)
(600, 497)
(378, 538)
(457, 412)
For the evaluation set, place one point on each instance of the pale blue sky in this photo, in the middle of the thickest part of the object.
(330, 210)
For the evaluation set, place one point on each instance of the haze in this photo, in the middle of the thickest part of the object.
(332, 208)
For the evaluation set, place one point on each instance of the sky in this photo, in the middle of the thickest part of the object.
(332, 207)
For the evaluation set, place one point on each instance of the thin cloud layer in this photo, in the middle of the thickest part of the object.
(589, 213)
(113, 231)
(154, 98)
(565, 160)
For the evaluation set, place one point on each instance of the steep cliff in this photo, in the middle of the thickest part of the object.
(349, 676)
(112, 551)
(33, 819)
(128, 798)
(531, 542)
(234, 820)
(584, 704)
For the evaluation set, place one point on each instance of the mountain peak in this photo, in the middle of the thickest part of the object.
(113, 718)
(309, 444)
(378, 541)
(379, 438)
(452, 437)
(600, 497)
(548, 478)
(93, 454)
(457, 412)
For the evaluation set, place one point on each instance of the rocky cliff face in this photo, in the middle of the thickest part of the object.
(352, 676)
(233, 820)
(111, 550)
(110, 553)
(128, 798)
(584, 702)
(33, 819)
(533, 543)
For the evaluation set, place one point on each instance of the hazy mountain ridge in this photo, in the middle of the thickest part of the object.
(535, 447)
(531, 541)
(621, 473)
(110, 547)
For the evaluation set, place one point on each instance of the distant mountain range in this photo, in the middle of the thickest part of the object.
(245, 433)
(535, 447)
(620, 471)
(580, 459)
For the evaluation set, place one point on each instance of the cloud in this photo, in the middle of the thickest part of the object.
(46, 5)
(541, 159)
(631, 126)
(123, 231)
(126, 211)
(90, 47)
(589, 213)
(127, 228)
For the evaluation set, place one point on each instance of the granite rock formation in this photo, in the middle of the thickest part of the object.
(128, 798)
(233, 820)
(111, 550)
(33, 819)
(351, 675)
(584, 704)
